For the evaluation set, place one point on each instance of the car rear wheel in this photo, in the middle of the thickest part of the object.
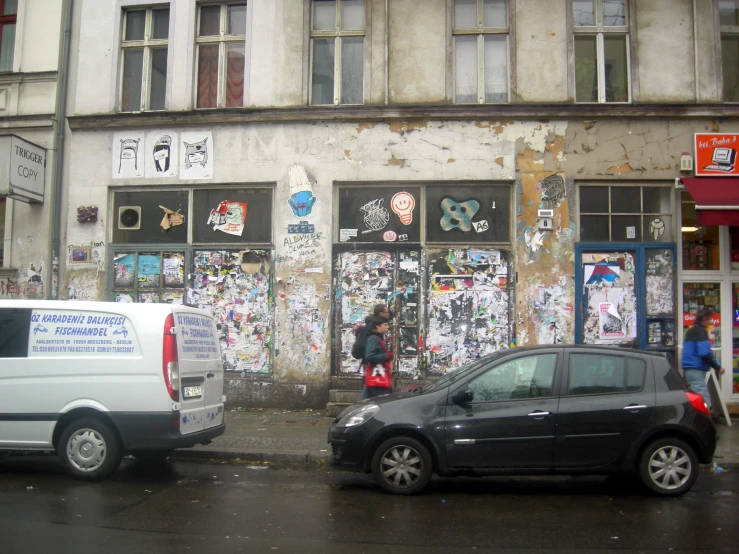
(89, 449)
(402, 465)
(668, 467)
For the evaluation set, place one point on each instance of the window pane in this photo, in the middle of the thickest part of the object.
(626, 227)
(529, 377)
(324, 15)
(11, 7)
(594, 200)
(133, 68)
(15, 323)
(322, 91)
(6, 47)
(465, 14)
(352, 15)
(657, 228)
(730, 56)
(594, 228)
(135, 25)
(616, 69)
(496, 69)
(625, 200)
(207, 76)
(494, 13)
(236, 19)
(586, 75)
(635, 371)
(465, 70)
(596, 373)
(235, 75)
(352, 70)
(583, 13)
(160, 26)
(614, 13)
(158, 78)
(210, 21)
(149, 271)
(728, 12)
(656, 200)
(700, 244)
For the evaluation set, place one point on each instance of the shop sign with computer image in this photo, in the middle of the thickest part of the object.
(715, 154)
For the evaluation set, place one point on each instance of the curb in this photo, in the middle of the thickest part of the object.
(289, 459)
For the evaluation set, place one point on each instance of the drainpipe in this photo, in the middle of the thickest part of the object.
(60, 122)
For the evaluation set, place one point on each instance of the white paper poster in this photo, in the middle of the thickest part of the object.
(160, 156)
(196, 155)
(610, 323)
(128, 155)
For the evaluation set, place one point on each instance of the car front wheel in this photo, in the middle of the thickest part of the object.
(402, 465)
(668, 467)
(89, 449)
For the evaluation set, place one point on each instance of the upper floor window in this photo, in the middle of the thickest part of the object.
(600, 29)
(8, 11)
(221, 45)
(337, 52)
(480, 51)
(144, 53)
(729, 18)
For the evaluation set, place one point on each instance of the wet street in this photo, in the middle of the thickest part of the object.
(186, 507)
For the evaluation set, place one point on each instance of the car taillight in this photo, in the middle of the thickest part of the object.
(170, 362)
(697, 402)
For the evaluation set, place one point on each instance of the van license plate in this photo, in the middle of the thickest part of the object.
(192, 392)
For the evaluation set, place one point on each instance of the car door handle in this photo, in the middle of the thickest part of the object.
(210, 375)
(635, 407)
(538, 414)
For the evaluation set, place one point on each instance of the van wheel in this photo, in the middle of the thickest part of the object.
(402, 465)
(668, 467)
(151, 456)
(89, 449)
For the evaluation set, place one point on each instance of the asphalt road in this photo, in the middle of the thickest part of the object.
(214, 508)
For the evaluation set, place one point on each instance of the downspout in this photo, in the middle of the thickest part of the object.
(387, 52)
(60, 121)
(695, 52)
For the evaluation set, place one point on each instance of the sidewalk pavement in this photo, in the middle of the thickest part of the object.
(297, 439)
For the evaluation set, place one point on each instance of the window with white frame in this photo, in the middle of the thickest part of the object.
(221, 48)
(8, 11)
(480, 51)
(729, 19)
(601, 36)
(144, 59)
(337, 52)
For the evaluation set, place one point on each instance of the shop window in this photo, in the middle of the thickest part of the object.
(380, 214)
(480, 51)
(734, 241)
(729, 21)
(144, 59)
(735, 339)
(149, 277)
(221, 44)
(703, 295)
(232, 216)
(138, 216)
(8, 15)
(468, 214)
(601, 37)
(630, 213)
(337, 52)
(701, 244)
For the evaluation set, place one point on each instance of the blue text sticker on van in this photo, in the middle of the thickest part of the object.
(80, 333)
(198, 335)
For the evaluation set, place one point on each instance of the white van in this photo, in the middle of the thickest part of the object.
(96, 380)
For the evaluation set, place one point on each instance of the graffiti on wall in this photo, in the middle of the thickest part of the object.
(301, 248)
(87, 254)
(236, 288)
(468, 306)
(9, 288)
(550, 310)
(302, 328)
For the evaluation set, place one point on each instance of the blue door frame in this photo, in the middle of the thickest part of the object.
(640, 273)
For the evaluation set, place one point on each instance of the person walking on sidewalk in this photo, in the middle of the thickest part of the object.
(361, 332)
(697, 355)
(378, 368)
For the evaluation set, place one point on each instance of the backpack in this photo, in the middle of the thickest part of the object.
(360, 343)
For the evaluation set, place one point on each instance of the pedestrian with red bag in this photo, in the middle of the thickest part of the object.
(378, 368)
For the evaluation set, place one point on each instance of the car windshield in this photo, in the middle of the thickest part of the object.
(459, 373)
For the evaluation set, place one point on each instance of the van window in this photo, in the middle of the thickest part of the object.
(15, 324)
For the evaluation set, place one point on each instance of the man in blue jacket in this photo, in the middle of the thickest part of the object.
(697, 355)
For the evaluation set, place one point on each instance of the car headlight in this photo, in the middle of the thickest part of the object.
(358, 416)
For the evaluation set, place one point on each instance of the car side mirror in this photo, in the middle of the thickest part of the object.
(463, 397)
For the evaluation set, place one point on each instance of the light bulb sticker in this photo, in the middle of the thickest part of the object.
(402, 204)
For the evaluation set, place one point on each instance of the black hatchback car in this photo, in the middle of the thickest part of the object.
(534, 410)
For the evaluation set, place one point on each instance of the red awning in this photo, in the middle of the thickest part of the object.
(716, 199)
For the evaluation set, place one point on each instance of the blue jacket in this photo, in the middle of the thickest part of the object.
(697, 350)
(373, 351)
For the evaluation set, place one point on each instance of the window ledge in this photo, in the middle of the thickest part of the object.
(8, 272)
(20, 77)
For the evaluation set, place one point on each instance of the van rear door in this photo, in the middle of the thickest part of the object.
(200, 371)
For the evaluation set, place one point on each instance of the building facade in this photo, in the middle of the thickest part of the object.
(498, 177)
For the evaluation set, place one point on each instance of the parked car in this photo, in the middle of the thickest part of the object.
(96, 380)
(534, 410)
